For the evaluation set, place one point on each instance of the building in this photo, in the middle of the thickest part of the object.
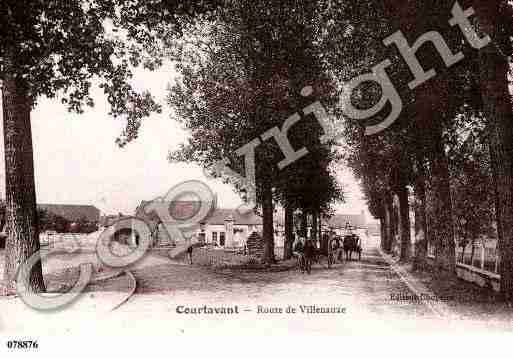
(123, 235)
(109, 219)
(340, 222)
(222, 227)
(228, 228)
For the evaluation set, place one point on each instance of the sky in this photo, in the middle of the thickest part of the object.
(77, 161)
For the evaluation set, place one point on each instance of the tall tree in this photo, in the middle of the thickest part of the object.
(289, 231)
(55, 48)
(494, 20)
(242, 79)
(421, 234)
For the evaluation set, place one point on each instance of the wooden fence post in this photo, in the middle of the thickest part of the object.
(496, 260)
(482, 256)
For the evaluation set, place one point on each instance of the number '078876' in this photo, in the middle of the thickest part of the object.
(22, 344)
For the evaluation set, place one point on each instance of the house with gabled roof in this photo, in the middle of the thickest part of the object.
(340, 222)
(217, 227)
(225, 227)
(222, 227)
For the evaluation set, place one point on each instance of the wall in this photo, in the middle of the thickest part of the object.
(475, 275)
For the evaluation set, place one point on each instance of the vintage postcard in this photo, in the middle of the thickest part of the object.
(235, 168)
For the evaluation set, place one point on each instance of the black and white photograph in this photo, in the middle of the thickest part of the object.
(238, 168)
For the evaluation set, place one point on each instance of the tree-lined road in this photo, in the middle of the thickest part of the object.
(365, 294)
(364, 288)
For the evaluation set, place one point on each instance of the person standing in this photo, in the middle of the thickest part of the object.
(189, 253)
(195, 240)
(298, 247)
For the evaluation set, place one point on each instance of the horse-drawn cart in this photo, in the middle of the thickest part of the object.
(352, 245)
(337, 245)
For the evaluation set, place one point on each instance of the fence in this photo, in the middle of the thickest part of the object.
(431, 250)
(65, 240)
(483, 257)
(481, 267)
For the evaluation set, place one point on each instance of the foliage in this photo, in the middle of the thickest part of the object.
(51, 222)
(58, 48)
(472, 184)
(241, 76)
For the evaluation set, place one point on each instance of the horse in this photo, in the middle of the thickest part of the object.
(305, 253)
(309, 255)
(351, 245)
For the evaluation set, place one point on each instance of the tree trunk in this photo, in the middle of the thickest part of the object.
(320, 225)
(404, 223)
(324, 239)
(445, 249)
(314, 227)
(421, 239)
(395, 224)
(388, 224)
(382, 230)
(21, 214)
(498, 112)
(268, 230)
(289, 232)
(2, 221)
(304, 223)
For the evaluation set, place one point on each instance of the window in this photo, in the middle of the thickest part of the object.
(214, 238)
(222, 239)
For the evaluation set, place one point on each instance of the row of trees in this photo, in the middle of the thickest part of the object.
(244, 66)
(452, 145)
(52, 222)
(242, 73)
(59, 49)
(48, 221)
(52, 48)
